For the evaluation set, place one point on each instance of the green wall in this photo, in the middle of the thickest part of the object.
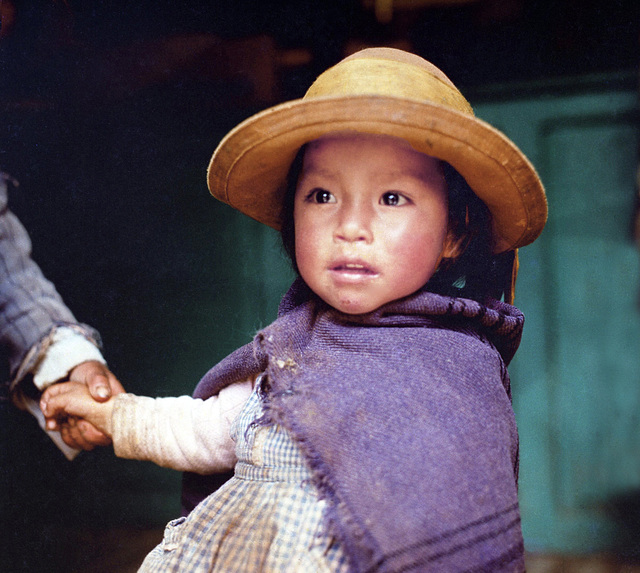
(576, 379)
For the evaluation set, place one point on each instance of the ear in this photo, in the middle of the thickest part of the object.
(452, 246)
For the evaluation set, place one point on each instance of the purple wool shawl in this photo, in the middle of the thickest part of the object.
(404, 415)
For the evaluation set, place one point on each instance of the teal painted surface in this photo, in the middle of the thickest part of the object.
(576, 378)
(243, 284)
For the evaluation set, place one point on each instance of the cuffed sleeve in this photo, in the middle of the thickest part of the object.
(68, 349)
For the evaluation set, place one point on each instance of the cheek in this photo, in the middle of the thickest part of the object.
(414, 266)
(416, 255)
(306, 245)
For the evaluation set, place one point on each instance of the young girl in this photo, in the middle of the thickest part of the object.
(370, 425)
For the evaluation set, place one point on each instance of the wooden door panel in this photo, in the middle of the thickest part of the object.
(576, 378)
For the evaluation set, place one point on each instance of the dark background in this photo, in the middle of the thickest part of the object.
(109, 112)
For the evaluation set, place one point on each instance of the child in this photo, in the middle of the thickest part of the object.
(375, 430)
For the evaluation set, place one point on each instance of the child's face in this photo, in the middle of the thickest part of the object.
(370, 217)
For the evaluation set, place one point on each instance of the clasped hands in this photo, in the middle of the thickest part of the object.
(88, 394)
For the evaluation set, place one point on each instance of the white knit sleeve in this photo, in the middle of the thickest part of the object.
(183, 433)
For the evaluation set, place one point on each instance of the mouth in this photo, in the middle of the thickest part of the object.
(355, 270)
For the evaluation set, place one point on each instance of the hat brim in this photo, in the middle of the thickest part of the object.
(249, 168)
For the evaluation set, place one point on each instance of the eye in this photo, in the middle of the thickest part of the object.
(393, 199)
(321, 196)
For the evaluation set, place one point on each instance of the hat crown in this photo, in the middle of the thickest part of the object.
(389, 72)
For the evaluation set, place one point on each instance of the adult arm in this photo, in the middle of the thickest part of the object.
(44, 341)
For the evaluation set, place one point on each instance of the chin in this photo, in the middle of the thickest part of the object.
(354, 307)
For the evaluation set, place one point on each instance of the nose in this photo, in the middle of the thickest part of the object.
(354, 223)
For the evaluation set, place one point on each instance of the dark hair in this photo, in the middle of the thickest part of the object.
(287, 231)
(474, 273)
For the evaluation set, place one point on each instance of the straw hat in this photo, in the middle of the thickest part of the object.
(390, 92)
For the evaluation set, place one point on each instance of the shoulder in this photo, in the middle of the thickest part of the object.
(492, 322)
(463, 347)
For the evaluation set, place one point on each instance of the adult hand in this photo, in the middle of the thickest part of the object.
(102, 385)
(99, 379)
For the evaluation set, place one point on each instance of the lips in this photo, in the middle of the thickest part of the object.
(350, 269)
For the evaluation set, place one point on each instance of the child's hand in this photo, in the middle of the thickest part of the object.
(102, 384)
(62, 404)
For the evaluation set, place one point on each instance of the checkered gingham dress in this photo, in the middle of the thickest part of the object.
(266, 518)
